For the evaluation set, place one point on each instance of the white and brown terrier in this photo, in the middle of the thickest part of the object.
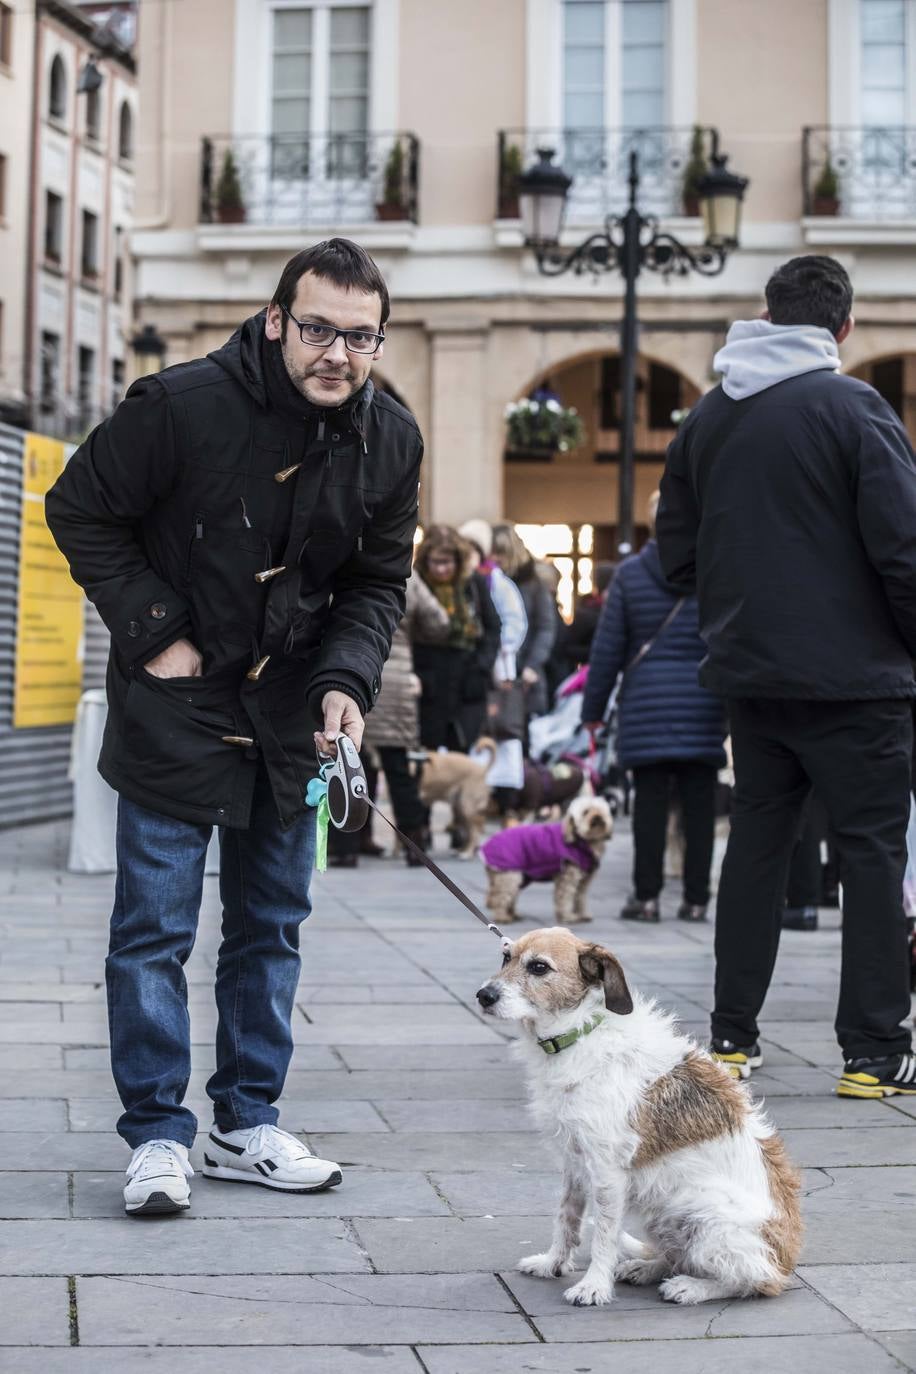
(646, 1119)
(566, 853)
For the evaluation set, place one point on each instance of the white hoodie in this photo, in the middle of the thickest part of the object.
(758, 354)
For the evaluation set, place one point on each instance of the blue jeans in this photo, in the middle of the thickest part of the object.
(264, 888)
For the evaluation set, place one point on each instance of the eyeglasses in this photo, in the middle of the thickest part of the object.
(325, 335)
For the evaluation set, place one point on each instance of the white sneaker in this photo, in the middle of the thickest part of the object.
(270, 1157)
(157, 1179)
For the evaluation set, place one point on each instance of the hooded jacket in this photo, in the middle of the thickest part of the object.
(664, 715)
(789, 503)
(207, 475)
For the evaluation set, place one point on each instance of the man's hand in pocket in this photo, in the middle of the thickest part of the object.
(180, 659)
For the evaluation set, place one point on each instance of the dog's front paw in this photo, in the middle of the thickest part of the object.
(589, 1293)
(683, 1289)
(638, 1272)
(546, 1266)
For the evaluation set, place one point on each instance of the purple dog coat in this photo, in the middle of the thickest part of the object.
(537, 851)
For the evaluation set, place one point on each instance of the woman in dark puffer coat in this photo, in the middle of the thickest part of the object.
(668, 725)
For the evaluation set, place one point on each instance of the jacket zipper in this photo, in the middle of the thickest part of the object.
(198, 534)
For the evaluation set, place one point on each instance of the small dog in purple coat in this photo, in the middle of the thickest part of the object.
(565, 852)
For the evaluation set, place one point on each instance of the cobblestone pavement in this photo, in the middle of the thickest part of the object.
(408, 1265)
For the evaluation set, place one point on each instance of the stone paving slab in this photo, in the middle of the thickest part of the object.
(184, 1245)
(640, 1314)
(500, 1191)
(436, 1150)
(373, 1309)
(831, 1148)
(901, 1344)
(211, 1359)
(316, 1114)
(33, 1312)
(361, 1194)
(847, 1354)
(33, 1195)
(878, 1297)
(32, 1114)
(455, 1114)
(452, 1245)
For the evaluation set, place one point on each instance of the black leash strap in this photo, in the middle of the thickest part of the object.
(436, 871)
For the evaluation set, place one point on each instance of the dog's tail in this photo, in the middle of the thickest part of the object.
(783, 1232)
(485, 745)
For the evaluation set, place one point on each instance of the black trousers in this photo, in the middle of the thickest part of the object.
(409, 811)
(696, 789)
(804, 886)
(857, 755)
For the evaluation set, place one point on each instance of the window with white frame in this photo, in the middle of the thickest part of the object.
(615, 61)
(887, 103)
(320, 78)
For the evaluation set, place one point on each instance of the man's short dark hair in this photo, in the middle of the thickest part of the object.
(810, 290)
(340, 261)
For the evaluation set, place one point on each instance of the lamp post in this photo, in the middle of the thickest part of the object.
(628, 244)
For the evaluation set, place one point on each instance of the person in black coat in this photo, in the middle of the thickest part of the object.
(456, 674)
(670, 730)
(244, 524)
(541, 609)
(789, 502)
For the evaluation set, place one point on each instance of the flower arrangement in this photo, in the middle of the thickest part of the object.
(543, 423)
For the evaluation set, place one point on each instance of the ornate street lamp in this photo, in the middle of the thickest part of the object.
(148, 345)
(628, 244)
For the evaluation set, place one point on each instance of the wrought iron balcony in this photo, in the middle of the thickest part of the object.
(859, 173)
(288, 179)
(671, 160)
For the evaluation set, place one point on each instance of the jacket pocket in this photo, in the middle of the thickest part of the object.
(222, 567)
(172, 741)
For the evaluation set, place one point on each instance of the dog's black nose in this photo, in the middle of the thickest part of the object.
(487, 995)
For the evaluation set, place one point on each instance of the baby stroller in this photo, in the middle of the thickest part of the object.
(560, 736)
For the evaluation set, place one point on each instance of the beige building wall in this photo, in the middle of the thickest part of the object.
(186, 61)
(15, 144)
(762, 75)
(464, 78)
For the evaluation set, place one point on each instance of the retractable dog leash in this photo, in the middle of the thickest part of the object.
(341, 796)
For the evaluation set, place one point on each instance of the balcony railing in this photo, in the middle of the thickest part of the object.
(287, 179)
(859, 173)
(670, 161)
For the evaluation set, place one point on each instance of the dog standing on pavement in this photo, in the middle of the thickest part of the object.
(461, 781)
(648, 1119)
(566, 852)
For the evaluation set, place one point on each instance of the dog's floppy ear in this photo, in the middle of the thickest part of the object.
(598, 965)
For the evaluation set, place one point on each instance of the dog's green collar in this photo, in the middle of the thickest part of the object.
(554, 1043)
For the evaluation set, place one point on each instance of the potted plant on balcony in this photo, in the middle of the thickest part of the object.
(540, 426)
(510, 169)
(825, 196)
(694, 172)
(230, 204)
(393, 204)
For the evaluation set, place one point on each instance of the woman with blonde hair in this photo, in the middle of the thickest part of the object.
(669, 727)
(517, 561)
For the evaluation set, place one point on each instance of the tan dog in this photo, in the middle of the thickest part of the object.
(646, 1119)
(566, 852)
(462, 782)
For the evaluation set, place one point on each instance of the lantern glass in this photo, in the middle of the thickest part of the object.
(722, 219)
(542, 216)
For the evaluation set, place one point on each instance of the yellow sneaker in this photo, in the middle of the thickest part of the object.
(738, 1059)
(879, 1077)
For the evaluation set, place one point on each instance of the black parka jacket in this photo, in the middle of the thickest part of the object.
(167, 514)
(793, 514)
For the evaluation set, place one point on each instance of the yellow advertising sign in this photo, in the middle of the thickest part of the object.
(49, 624)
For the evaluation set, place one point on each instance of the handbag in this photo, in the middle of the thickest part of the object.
(506, 712)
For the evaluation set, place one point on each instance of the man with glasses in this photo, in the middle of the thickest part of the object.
(244, 524)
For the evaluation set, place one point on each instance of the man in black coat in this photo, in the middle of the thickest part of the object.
(244, 524)
(789, 501)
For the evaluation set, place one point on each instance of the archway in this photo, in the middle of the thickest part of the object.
(565, 504)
